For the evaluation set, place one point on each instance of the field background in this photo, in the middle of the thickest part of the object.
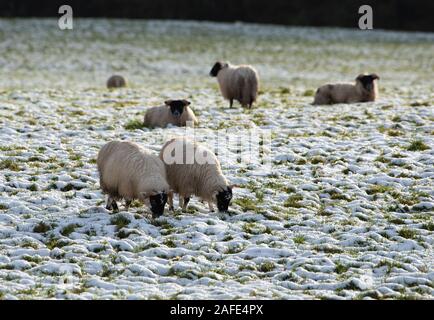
(347, 211)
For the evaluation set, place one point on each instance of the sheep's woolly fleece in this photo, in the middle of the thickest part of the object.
(346, 211)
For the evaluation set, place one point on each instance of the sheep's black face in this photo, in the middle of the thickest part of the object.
(177, 107)
(215, 69)
(367, 81)
(158, 202)
(224, 199)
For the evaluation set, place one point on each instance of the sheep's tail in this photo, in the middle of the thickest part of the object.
(247, 90)
(253, 84)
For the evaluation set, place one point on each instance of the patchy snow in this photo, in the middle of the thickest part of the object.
(345, 212)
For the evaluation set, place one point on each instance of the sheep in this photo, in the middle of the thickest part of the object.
(176, 112)
(128, 171)
(193, 169)
(116, 81)
(365, 89)
(239, 83)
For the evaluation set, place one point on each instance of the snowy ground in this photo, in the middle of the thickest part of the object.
(345, 212)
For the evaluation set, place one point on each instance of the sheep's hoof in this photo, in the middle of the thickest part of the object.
(115, 207)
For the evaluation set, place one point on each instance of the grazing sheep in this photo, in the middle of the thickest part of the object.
(116, 81)
(365, 89)
(131, 172)
(176, 112)
(193, 169)
(239, 83)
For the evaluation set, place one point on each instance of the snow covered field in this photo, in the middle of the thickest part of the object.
(346, 211)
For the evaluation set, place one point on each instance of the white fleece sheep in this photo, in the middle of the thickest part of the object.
(116, 81)
(129, 171)
(239, 83)
(176, 112)
(365, 89)
(193, 169)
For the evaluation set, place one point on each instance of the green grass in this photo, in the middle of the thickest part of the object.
(67, 230)
(246, 204)
(9, 164)
(134, 125)
(378, 189)
(120, 221)
(407, 233)
(169, 243)
(42, 227)
(293, 201)
(394, 133)
(267, 266)
(340, 268)
(389, 265)
(300, 239)
(309, 93)
(428, 226)
(417, 145)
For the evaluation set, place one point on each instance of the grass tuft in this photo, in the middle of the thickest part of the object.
(417, 145)
(134, 125)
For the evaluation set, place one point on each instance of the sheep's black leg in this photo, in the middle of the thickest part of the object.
(127, 204)
(170, 201)
(231, 102)
(109, 203)
(115, 206)
(185, 203)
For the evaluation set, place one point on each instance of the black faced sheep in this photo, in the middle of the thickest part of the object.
(239, 83)
(365, 89)
(193, 169)
(176, 112)
(128, 171)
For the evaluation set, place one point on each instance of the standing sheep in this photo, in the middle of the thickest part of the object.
(193, 169)
(365, 89)
(128, 171)
(116, 81)
(176, 112)
(239, 83)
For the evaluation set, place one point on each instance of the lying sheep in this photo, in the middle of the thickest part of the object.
(193, 169)
(128, 171)
(116, 81)
(239, 83)
(176, 112)
(365, 89)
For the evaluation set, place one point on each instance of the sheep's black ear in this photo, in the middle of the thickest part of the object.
(186, 102)
(168, 102)
(375, 76)
(359, 77)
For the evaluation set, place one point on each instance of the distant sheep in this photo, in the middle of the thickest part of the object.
(116, 81)
(176, 112)
(128, 171)
(239, 83)
(193, 169)
(365, 89)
